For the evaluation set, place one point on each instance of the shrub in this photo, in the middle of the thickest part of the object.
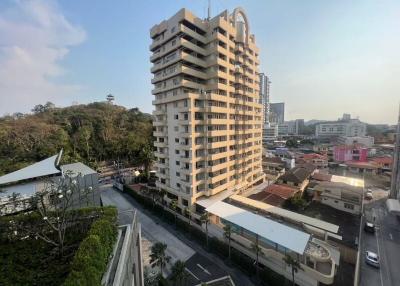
(90, 261)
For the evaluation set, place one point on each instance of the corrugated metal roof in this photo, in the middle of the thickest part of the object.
(77, 168)
(281, 234)
(287, 214)
(43, 168)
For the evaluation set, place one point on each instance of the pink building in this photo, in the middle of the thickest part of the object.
(344, 153)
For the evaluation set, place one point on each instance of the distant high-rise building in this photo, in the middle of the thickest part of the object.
(207, 118)
(395, 184)
(277, 111)
(264, 96)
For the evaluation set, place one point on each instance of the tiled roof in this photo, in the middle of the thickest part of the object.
(321, 177)
(357, 164)
(298, 174)
(383, 160)
(274, 194)
(313, 156)
(273, 160)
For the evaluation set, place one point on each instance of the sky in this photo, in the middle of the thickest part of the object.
(324, 58)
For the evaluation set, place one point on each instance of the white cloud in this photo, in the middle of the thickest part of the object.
(34, 37)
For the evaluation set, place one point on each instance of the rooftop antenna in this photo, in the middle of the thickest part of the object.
(209, 10)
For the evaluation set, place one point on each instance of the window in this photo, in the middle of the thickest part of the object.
(176, 140)
(177, 163)
(176, 116)
(173, 29)
(178, 174)
(349, 206)
(178, 185)
(177, 152)
(173, 42)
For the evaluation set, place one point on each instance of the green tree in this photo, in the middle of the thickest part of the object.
(228, 234)
(178, 273)
(291, 143)
(188, 213)
(293, 264)
(158, 255)
(173, 205)
(146, 157)
(256, 249)
(205, 219)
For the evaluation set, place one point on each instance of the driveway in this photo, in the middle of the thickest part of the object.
(385, 242)
(200, 265)
(151, 231)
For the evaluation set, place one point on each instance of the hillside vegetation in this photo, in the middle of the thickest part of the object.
(88, 133)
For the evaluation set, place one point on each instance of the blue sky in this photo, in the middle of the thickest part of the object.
(324, 58)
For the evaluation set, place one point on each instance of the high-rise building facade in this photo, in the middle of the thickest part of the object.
(207, 118)
(395, 183)
(264, 96)
(277, 112)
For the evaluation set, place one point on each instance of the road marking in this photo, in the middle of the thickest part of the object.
(202, 268)
(191, 273)
(377, 244)
(384, 254)
(391, 236)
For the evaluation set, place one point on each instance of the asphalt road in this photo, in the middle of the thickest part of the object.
(385, 242)
(202, 266)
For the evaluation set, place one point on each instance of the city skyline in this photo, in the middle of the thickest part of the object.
(62, 52)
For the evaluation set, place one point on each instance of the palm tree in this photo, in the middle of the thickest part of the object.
(173, 205)
(188, 213)
(204, 218)
(178, 273)
(227, 234)
(146, 157)
(256, 249)
(294, 264)
(158, 255)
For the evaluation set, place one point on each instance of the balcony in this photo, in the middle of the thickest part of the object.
(160, 144)
(192, 33)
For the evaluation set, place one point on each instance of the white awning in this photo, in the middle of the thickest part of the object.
(290, 238)
(43, 168)
(393, 206)
(326, 226)
(208, 201)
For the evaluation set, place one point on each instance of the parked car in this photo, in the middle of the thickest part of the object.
(369, 227)
(372, 259)
(368, 195)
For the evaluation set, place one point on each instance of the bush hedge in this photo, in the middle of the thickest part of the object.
(220, 248)
(90, 261)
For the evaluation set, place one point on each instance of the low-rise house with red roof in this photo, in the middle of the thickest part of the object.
(318, 160)
(384, 163)
(362, 167)
(275, 194)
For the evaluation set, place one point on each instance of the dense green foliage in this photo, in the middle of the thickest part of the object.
(33, 262)
(88, 133)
